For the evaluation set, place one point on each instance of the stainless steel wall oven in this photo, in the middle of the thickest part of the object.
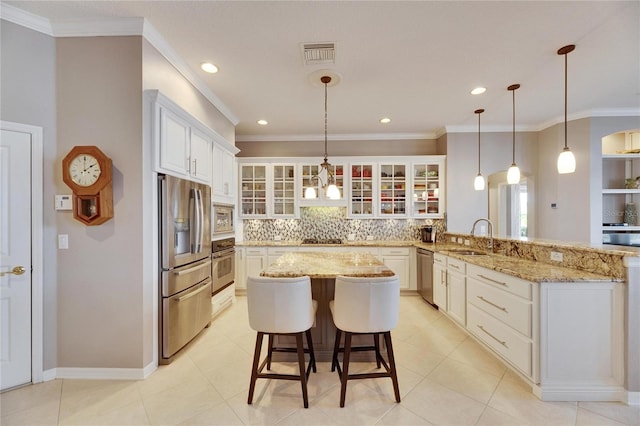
(223, 263)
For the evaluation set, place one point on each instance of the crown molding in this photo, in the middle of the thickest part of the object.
(25, 19)
(158, 42)
(116, 27)
(335, 137)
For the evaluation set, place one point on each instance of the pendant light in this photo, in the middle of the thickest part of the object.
(513, 174)
(566, 159)
(478, 183)
(332, 191)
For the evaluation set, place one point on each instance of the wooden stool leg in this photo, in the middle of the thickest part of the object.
(312, 355)
(303, 373)
(345, 367)
(336, 348)
(392, 365)
(269, 351)
(376, 344)
(254, 368)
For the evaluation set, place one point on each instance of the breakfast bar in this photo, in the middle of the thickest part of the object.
(323, 268)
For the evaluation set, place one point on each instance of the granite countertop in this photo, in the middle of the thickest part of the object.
(345, 243)
(526, 269)
(326, 265)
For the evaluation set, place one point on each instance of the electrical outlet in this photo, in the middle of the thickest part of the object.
(369, 237)
(351, 237)
(453, 239)
(277, 238)
(467, 243)
(556, 256)
(459, 240)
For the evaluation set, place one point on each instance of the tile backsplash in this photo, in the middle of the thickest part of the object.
(332, 222)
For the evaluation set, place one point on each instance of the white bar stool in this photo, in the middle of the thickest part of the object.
(281, 306)
(365, 306)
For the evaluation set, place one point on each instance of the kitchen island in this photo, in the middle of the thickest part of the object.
(323, 268)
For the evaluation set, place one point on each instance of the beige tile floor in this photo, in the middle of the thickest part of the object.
(445, 378)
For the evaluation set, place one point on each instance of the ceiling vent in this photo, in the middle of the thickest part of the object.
(319, 53)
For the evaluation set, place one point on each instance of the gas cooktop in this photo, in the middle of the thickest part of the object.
(322, 241)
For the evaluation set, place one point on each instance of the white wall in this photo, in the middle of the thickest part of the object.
(28, 96)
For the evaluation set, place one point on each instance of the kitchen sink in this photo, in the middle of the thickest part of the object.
(465, 252)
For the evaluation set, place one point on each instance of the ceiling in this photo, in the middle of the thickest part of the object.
(414, 61)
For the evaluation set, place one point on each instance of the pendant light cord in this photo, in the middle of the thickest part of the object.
(325, 80)
(479, 111)
(513, 142)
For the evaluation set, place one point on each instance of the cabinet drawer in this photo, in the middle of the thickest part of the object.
(393, 251)
(256, 251)
(513, 311)
(440, 259)
(456, 265)
(508, 283)
(507, 342)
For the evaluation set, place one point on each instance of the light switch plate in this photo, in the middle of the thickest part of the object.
(556, 256)
(63, 241)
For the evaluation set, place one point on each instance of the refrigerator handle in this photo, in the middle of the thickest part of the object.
(197, 220)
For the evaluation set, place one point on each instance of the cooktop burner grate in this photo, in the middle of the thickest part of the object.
(322, 241)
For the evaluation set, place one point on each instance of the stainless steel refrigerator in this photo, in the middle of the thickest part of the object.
(185, 262)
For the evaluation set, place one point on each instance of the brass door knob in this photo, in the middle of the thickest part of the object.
(18, 270)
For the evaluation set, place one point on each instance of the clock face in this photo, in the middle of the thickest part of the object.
(84, 170)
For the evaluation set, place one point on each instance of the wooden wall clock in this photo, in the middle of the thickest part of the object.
(87, 171)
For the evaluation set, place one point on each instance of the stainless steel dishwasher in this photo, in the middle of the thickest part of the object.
(425, 275)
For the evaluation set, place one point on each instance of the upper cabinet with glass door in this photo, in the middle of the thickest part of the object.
(362, 198)
(392, 186)
(309, 179)
(427, 189)
(284, 190)
(253, 190)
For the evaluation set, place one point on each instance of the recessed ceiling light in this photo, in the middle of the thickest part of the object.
(478, 90)
(385, 120)
(209, 67)
(263, 122)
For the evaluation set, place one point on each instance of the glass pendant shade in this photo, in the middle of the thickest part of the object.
(310, 193)
(513, 174)
(333, 193)
(478, 183)
(566, 162)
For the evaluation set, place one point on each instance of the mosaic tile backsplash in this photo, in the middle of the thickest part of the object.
(332, 222)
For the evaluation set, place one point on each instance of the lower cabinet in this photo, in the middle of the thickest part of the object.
(273, 253)
(440, 281)
(252, 261)
(398, 259)
(457, 290)
(223, 300)
(500, 312)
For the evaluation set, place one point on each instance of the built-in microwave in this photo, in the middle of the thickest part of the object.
(222, 219)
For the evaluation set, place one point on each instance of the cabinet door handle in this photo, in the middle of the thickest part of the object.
(493, 281)
(455, 267)
(502, 342)
(492, 304)
(195, 166)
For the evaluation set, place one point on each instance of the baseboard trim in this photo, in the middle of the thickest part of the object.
(48, 375)
(592, 394)
(105, 373)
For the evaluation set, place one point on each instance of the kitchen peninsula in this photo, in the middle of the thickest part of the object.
(323, 268)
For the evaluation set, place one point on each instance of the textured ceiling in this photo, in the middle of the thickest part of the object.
(414, 62)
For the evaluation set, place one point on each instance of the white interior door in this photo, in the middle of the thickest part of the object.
(15, 258)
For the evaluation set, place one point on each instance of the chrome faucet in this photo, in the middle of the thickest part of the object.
(490, 246)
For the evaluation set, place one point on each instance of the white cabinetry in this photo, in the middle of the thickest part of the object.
(268, 190)
(223, 183)
(253, 190)
(182, 145)
(251, 262)
(273, 253)
(392, 187)
(427, 188)
(440, 281)
(309, 178)
(457, 290)
(500, 313)
(582, 341)
(398, 259)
